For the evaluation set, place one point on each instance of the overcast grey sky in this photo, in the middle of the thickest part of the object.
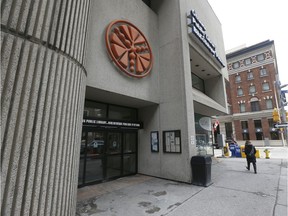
(253, 21)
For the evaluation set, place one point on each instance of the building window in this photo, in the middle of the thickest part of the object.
(252, 89)
(265, 86)
(257, 124)
(269, 104)
(259, 136)
(95, 110)
(250, 75)
(237, 78)
(271, 123)
(244, 124)
(245, 136)
(122, 113)
(228, 130)
(242, 107)
(258, 128)
(198, 83)
(254, 103)
(236, 65)
(255, 106)
(248, 61)
(239, 92)
(245, 132)
(274, 135)
(263, 72)
(260, 57)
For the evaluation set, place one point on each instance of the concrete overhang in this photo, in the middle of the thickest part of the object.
(115, 98)
(204, 105)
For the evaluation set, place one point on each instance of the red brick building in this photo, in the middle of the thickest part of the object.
(251, 95)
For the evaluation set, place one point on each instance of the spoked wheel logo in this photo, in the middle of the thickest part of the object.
(128, 48)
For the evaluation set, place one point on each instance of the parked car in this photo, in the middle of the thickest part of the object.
(96, 144)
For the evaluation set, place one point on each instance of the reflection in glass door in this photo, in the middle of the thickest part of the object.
(82, 159)
(91, 157)
(114, 150)
(129, 153)
(94, 156)
(106, 155)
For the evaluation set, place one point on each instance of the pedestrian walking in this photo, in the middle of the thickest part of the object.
(250, 152)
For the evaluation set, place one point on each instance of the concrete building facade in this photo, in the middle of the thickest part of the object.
(43, 80)
(147, 75)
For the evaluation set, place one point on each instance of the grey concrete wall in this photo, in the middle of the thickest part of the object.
(102, 73)
(173, 106)
(42, 96)
(215, 87)
(168, 87)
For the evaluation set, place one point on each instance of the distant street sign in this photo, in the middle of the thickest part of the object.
(281, 125)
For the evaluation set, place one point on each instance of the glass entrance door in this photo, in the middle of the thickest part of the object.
(106, 155)
(129, 153)
(114, 154)
(92, 157)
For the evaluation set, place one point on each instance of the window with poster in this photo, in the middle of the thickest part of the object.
(154, 138)
(172, 141)
(203, 127)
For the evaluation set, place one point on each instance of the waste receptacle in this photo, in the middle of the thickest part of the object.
(232, 148)
(226, 150)
(201, 170)
(238, 151)
(243, 155)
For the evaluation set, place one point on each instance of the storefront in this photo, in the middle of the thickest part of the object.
(109, 143)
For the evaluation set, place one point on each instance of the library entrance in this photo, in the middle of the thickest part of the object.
(107, 155)
(108, 149)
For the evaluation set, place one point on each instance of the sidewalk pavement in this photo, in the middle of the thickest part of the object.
(235, 192)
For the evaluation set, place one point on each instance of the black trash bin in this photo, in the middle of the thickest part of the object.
(201, 170)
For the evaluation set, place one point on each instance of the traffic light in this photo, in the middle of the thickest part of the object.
(276, 117)
(283, 98)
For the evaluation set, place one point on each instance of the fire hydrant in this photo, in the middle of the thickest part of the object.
(267, 153)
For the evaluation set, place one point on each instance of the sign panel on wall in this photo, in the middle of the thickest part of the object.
(172, 141)
(198, 30)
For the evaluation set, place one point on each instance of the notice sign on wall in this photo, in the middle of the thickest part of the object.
(172, 141)
(108, 123)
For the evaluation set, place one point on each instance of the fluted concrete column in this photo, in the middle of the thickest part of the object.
(42, 97)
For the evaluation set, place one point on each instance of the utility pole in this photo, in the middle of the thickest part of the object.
(278, 109)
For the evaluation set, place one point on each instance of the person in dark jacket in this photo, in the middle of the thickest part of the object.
(250, 152)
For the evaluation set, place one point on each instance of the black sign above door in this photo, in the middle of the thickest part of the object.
(111, 123)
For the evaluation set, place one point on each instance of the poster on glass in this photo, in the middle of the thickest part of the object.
(172, 141)
(154, 137)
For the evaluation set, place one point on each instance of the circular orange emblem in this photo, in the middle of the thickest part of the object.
(128, 48)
